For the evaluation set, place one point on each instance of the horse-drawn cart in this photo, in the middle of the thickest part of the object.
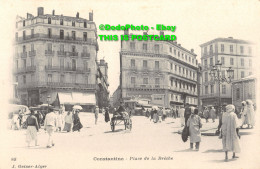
(119, 119)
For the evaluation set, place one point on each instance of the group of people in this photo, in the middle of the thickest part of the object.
(209, 112)
(247, 114)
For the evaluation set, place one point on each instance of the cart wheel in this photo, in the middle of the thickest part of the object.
(112, 126)
(125, 123)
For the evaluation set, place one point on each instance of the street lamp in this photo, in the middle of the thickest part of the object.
(216, 76)
(48, 101)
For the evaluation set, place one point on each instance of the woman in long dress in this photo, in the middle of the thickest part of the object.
(250, 114)
(76, 122)
(68, 122)
(230, 138)
(107, 118)
(244, 118)
(194, 124)
(60, 121)
(206, 114)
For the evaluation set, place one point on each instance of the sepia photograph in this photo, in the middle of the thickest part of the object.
(130, 84)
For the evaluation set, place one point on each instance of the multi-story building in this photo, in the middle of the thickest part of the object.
(158, 68)
(55, 54)
(242, 90)
(234, 53)
(103, 92)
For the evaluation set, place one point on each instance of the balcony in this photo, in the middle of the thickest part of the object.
(71, 85)
(23, 55)
(32, 53)
(73, 54)
(25, 69)
(67, 69)
(85, 55)
(61, 53)
(49, 52)
(53, 68)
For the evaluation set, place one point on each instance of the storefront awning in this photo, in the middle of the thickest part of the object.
(75, 98)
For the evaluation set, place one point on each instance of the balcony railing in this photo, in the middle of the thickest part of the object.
(25, 70)
(72, 53)
(61, 53)
(67, 69)
(49, 52)
(85, 55)
(23, 54)
(32, 53)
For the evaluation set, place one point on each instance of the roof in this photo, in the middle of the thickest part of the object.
(251, 77)
(230, 39)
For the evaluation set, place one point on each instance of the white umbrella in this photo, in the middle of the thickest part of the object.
(78, 107)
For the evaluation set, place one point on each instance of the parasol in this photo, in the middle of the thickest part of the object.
(77, 107)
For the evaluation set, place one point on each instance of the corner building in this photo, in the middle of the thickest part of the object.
(55, 54)
(234, 53)
(158, 70)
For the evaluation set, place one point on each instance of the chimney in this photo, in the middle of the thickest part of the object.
(53, 12)
(91, 16)
(192, 50)
(29, 15)
(40, 11)
(77, 16)
(161, 33)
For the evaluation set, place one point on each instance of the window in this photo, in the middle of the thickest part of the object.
(16, 78)
(86, 79)
(16, 36)
(222, 48)
(179, 69)
(49, 45)
(156, 65)
(186, 57)
(61, 34)
(24, 35)
(223, 73)
(242, 74)
(206, 76)
(49, 20)
(62, 63)
(17, 64)
(132, 80)
(24, 63)
(175, 68)
(73, 23)
(73, 49)
(237, 93)
(182, 56)
(73, 78)
(132, 45)
(24, 48)
(85, 65)
(145, 63)
(171, 66)
(211, 88)
(49, 33)
(242, 61)
(145, 80)
(231, 48)
(85, 36)
(62, 47)
(170, 49)
(187, 72)
(73, 35)
(211, 61)
(211, 49)
(132, 63)
(205, 50)
(23, 23)
(32, 77)
(223, 60)
(156, 48)
(178, 53)
(24, 79)
(250, 62)
(189, 59)
(223, 89)
(61, 22)
(32, 61)
(145, 47)
(183, 70)
(192, 60)
(85, 24)
(249, 50)
(231, 61)
(174, 51)
(206, 89)
(49, 78)
(241, 49)
(32, 47)
(85, 49)
(157, 81)
(32, 33)
(73, 62)
(62, 78)
(205, 62)
(50, 62)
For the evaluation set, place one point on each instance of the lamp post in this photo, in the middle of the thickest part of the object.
(216, 76)
(48, 101)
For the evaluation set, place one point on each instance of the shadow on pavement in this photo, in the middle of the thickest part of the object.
(222, 160)
(214, 151)
(118, 130)
(186, 150)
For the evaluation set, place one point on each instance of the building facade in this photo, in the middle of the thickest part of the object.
(152, 69)
(242, 90)
(53, 54)
(103, 92)
(234, 53)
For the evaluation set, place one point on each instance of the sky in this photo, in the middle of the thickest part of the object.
(196, 22)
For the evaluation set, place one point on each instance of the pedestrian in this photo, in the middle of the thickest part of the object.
(152, 113)
(163, 114)
(107, 118)
(50, 125)
(32, 129)
(160, 113)
(15, 122)
(194, 124)
(181, 113)
(60, 121)
(213, 114)
(147, 113)
(96, 111)
(76, 122)
(230, 138)
(206, 114)
(187, 112)
(244, 117)
(155, 116)
(174, 113)
(68, 122)
(250, 114)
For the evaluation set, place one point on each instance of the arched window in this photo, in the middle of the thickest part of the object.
(49, 20)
